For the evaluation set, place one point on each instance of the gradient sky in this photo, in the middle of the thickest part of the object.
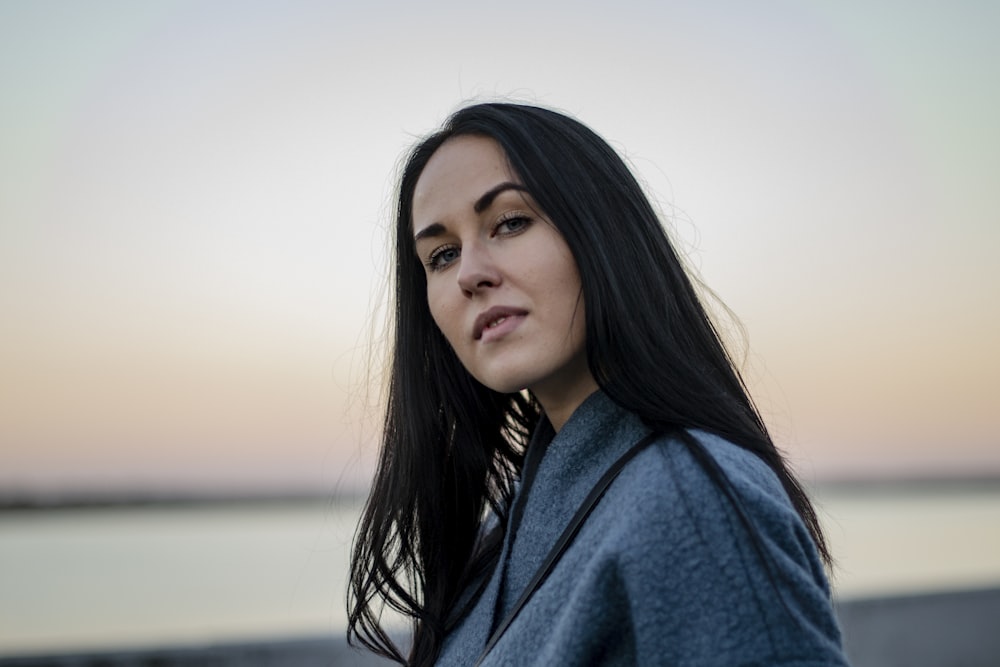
(193, 198)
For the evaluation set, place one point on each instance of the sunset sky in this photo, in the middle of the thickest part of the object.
(194, 197)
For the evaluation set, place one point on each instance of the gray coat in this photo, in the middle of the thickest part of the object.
(662, 572)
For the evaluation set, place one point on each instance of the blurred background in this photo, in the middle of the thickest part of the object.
(194, 199)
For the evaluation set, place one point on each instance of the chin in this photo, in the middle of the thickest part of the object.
(504, 382)
(504, 387)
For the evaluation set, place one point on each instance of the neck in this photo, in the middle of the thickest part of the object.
(560, 406)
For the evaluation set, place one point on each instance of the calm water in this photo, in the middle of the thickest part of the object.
(110, 578)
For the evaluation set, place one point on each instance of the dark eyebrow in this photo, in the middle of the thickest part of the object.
(437, 229)
(483, 203)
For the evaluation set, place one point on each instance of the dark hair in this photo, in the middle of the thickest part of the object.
(451, 447)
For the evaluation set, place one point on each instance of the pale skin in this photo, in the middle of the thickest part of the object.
(502, 284)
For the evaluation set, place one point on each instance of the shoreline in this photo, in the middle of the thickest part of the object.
(23, 500)
(30, 502)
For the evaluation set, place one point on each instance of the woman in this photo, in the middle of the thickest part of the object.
(572, 472)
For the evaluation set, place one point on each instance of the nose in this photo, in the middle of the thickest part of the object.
(477, 270)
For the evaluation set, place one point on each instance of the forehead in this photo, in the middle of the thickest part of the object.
(456, 175)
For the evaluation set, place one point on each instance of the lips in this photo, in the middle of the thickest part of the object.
(494, 318)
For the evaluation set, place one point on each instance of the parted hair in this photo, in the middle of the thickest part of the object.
(452, 448)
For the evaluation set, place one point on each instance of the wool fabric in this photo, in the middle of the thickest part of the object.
(663, 572)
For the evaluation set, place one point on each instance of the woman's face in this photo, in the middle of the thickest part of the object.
(502, 284)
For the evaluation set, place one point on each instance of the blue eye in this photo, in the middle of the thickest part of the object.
(442, 257)
(513, 225)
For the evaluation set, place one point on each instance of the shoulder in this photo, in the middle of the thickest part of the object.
(697, 467)
(670, 492)
(669, 472)
(745, 470)
(697, 557)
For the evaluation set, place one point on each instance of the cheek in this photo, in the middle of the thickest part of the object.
(572, 297)
(445, 315)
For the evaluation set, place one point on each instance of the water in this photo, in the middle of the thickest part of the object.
(75, 579)
(79, 579)
(912, 541)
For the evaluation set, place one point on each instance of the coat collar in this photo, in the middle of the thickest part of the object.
(572, 461)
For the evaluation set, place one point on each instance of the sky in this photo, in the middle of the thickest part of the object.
(194, 199)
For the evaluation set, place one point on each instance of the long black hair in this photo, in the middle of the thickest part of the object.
(452, 448)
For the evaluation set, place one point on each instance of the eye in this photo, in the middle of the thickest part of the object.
(512, 224)
(442, 257)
